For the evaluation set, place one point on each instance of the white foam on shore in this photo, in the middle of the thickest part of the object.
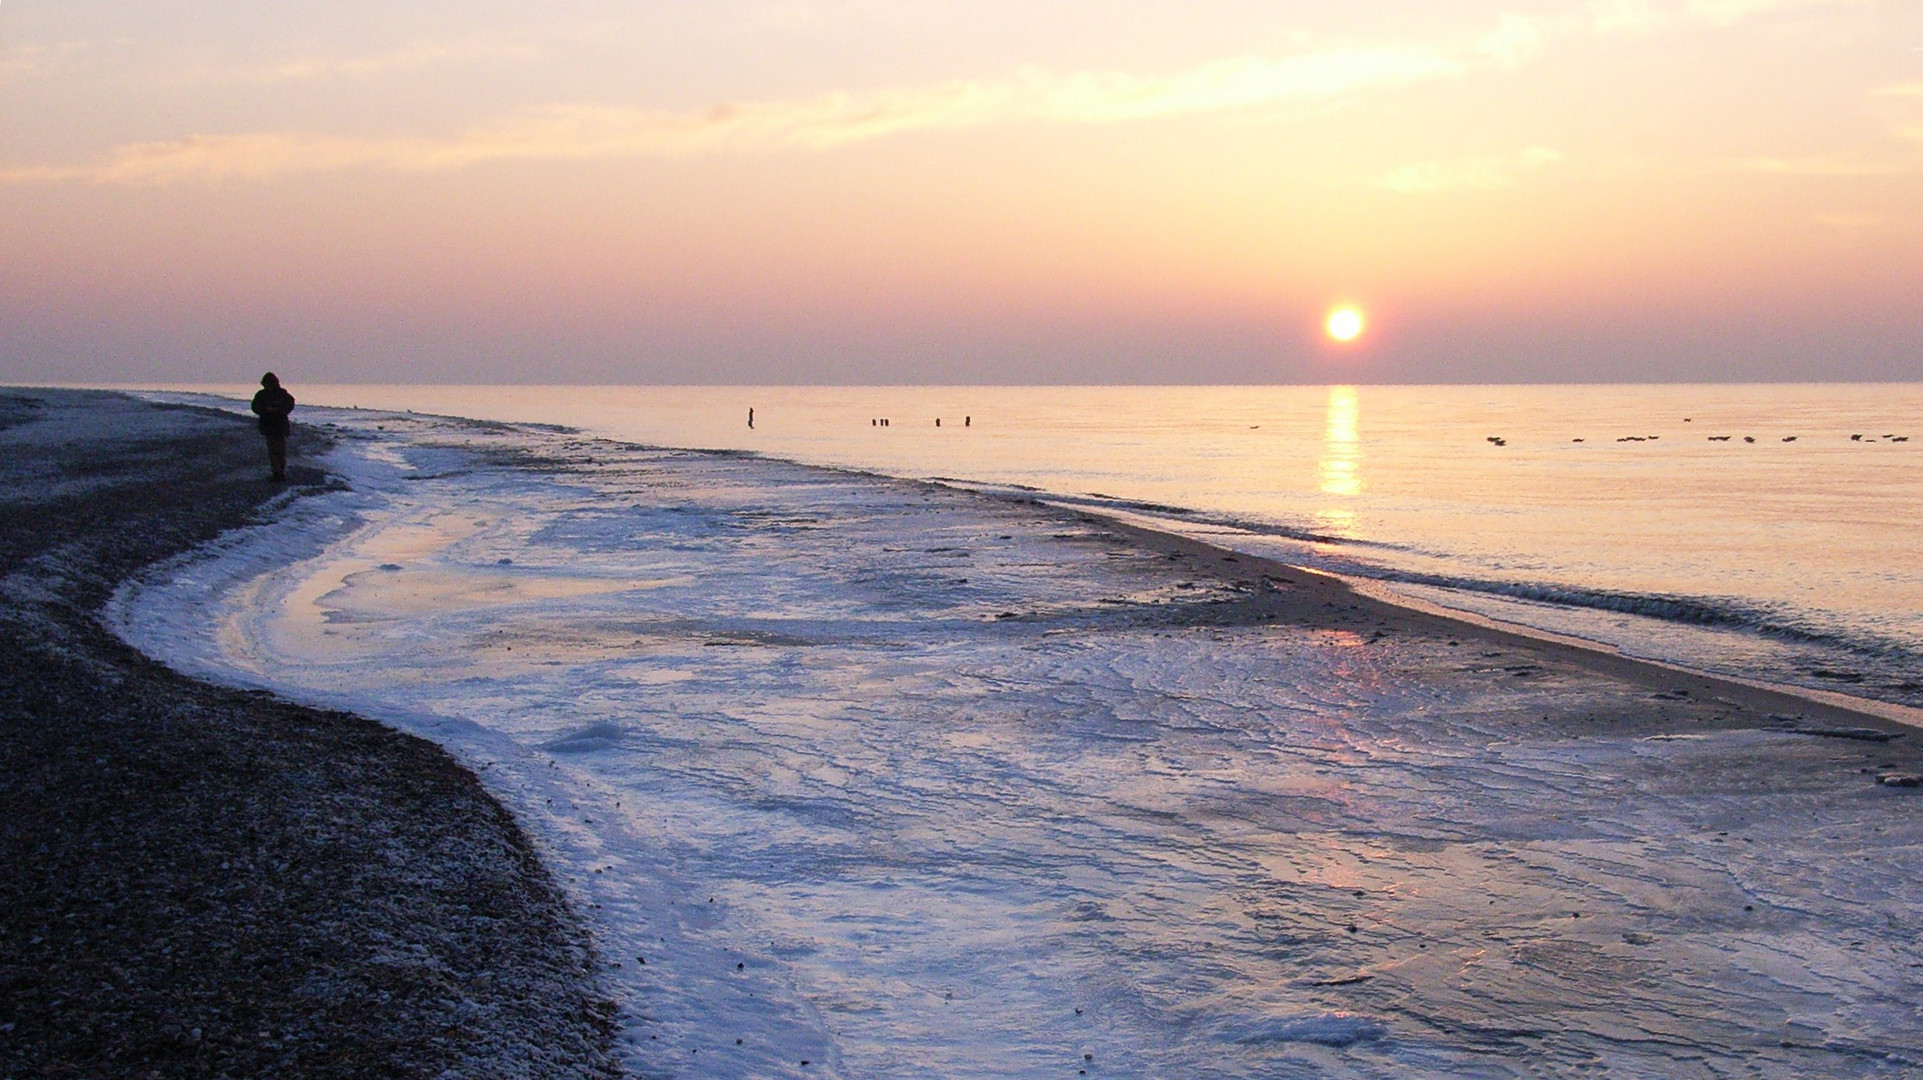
(942, 841)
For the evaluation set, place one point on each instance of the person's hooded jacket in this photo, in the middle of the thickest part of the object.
(272, 404)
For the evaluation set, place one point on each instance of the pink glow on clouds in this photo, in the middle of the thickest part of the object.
(822, 193)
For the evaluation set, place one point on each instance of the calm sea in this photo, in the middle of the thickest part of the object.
(1771, 531)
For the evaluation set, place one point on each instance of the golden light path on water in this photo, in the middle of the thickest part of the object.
(1340, 467)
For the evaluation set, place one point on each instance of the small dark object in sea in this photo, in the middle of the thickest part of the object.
(1900, 780)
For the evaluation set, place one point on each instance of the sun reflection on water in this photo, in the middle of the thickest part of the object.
(1340, 469)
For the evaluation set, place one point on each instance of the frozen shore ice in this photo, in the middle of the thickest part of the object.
(882, 776)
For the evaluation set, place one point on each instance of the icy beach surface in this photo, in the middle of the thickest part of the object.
(1764, 532)
(868, 778)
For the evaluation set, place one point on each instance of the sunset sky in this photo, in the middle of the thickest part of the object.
(917, 191)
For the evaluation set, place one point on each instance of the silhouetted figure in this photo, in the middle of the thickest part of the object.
(937, 421)
(968, 421)
(751, 418)
(272, 404)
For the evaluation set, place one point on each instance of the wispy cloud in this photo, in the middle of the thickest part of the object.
(33, 59)
(1466, 174)
(411, 58)
(1645, 16)
(578, 132)
(1823, 165)
(1515, 40)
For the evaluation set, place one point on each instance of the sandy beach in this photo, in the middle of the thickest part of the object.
(208, 882)
(1269, 827)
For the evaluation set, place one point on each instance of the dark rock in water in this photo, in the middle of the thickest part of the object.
(1900, 780)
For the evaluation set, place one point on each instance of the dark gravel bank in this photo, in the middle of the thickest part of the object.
(203, 882)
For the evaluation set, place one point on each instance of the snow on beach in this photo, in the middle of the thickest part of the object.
(854, 776)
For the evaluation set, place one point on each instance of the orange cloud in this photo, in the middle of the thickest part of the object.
(576, 132)
(1646, 16)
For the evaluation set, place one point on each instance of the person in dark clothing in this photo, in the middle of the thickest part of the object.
(272, 405)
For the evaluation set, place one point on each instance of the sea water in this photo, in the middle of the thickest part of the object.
(1770, 532)
(860, 777)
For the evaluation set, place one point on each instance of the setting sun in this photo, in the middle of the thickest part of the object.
(1345, 324)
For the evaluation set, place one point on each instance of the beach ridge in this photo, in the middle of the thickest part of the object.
(209, 881)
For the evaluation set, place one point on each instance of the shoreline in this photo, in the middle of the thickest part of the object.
(212, 881)
(1413, 616)
(1781, 696)
(1485, 685)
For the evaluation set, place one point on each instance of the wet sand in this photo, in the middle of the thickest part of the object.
(1676, 700)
